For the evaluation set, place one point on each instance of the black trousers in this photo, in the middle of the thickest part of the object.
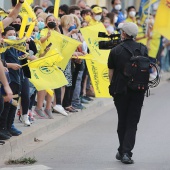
(129, 110)
(25, 99)
(67, 97)
(8, 114)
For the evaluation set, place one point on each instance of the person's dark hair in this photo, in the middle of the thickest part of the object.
(36, 8)
(64, 8)
(72, 9)
(93, 6)
(104, 7)
(8, 28)
(113, 1)
(111, 15)
(19, 16)
(130, 7)
(50, 9)
(85, 11)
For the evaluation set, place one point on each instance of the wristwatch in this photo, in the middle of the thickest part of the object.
(21, 2)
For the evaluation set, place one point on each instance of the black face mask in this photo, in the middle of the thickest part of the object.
(51, 25)
(60, 15)
(16, 26)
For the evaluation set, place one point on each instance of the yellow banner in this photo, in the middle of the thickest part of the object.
(90, 35)
(97, 67)
(162, 20)
(66, 46)
(45, 74)
(99, 78)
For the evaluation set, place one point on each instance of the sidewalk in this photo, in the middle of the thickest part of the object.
(19, 146)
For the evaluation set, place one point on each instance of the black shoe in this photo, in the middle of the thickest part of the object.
(6, 132)
(14, 133)
(126, 159)
(3, 136)
(118, 156)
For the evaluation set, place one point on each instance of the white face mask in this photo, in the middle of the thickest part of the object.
(12, 37)
(97, 17)
(132, 13)
(115, 19)
(118, 7)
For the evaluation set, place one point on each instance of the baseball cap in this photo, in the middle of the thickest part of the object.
(129, 28)
(97, 10)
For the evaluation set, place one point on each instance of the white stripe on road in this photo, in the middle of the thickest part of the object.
(32, 167)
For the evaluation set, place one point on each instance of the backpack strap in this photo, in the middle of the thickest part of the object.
(130, 49)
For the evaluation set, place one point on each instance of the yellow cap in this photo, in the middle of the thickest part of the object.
(97, 10)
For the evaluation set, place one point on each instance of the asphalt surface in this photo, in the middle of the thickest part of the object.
(93, 144)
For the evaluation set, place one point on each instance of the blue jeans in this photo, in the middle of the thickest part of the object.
(77, 90)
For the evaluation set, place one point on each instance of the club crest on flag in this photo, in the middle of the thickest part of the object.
(46, 68)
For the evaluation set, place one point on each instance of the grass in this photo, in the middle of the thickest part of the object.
(24, 161)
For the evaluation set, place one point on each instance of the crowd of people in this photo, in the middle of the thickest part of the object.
(78, 91)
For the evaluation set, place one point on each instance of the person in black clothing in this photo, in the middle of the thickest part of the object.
(128, 102)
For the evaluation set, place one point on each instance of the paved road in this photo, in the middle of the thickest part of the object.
(93, 145)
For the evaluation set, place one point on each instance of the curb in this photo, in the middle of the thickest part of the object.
(16, 146)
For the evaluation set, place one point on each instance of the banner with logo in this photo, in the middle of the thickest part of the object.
(99, 78)
(97, 66)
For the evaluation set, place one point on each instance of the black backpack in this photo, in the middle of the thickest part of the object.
(137, 70)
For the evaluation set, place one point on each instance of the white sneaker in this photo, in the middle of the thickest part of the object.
(60, 109)
(26, 120)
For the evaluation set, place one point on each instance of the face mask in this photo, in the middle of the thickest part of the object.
(97, 17)
(44, 9)
(60, 15)
(51, 25)
(16, 26)
(72, 27)
(115, 19)
(37, 35)
(12, 37)
(118, 7)
(87, 18)
(41, 25)
(132, 13)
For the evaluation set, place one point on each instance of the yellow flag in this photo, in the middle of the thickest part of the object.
(154, 43)
(20, 45)
(90, 35)
(1, 27)
(56, 8)
(162, 20)
(97, 67)
(27, 10)
(99, 78)
(45, 74)
(23, 26)
(30, 29)
(66, 46)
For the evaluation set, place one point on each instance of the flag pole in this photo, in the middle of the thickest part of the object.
(149, 10)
